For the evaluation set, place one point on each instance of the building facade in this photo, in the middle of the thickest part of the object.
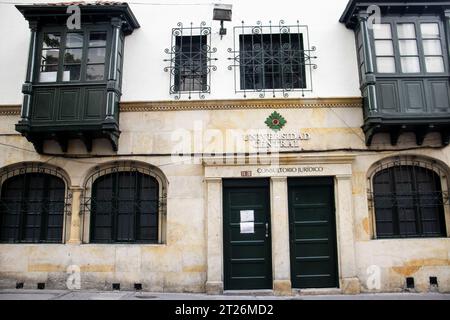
(194, 147)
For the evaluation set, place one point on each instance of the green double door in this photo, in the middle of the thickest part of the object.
(312, 233)
(246, 234)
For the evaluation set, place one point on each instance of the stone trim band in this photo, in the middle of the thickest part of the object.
(9, 110)
(146, 106)
(240, 104)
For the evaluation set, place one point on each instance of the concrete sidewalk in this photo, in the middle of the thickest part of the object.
(21, 294)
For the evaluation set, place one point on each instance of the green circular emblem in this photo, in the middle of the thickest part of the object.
(275, 121)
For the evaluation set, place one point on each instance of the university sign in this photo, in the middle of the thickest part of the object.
(285, 170)
(305, 169)
(278, 141)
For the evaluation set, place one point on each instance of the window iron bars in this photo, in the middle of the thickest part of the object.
(120, 203)
(43, 201)
(124, 208)
(272, 59)
(190, 61)
(419, 187)
(413, 163)
(409, 161)
(36, 167)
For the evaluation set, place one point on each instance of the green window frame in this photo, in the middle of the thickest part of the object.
(408, 48)
(408, 202)
(73, 56)
(125, 208)
(32, 208)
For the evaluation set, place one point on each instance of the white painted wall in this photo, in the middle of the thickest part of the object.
(144, 78)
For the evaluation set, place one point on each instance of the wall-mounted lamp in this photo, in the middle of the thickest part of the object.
(222, 12)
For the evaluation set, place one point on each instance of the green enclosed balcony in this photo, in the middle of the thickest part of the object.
(403, 57)
(74, 76)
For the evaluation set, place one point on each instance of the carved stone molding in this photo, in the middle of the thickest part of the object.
(241, 104)
(147, 106)
(9, 110)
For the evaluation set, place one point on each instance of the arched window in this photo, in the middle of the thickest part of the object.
(32, 205)
(408, 200)
(125, 206)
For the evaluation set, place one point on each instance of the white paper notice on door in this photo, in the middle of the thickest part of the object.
(247, 215)
(247, 227)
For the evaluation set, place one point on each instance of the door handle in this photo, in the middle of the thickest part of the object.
(267, 229)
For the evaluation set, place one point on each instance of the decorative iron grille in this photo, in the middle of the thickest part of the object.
(408, 199)
(190, 61)
(123, 195)
(272, 59)
(35, 200)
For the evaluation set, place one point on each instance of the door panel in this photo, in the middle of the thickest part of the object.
(312, 233)
(247, 256)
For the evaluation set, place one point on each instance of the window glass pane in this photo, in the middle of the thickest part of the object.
(95, 72)
(400, 193)
(135, 209)
(51, 40)
(406, 31)
(71, 72)
(50, 57)
(73, 55)
(190, 63)
(74, 40)
(432, 47)
(27, 195)
(385, 65)
(96, 55)
(430, 228)
(434, 64)
(408, 47)
(97, 39)
(382, 31)
(48, 74)
(429, 30)
(384, 48)
(49, 66)
(271, 62)
(410, 64)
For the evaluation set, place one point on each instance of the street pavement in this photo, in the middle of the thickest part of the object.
(21, 294)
